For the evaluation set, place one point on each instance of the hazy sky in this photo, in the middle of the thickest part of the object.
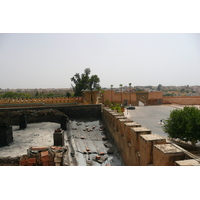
(50, 60)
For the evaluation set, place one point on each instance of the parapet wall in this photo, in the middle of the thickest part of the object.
(40, 101)
(138, 146)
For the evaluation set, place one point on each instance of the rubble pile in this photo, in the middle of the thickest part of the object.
(43, 156)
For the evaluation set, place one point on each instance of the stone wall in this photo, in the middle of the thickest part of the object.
(138, 146)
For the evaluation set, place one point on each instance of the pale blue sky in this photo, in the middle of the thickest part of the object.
(50, 60)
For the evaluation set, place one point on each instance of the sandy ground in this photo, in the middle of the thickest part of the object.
(36, 134)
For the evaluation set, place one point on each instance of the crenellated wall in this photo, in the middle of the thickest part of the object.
(39, 101)
(138, 146)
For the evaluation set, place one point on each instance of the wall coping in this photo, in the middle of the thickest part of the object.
(152, 137)
(132, 124)
(168, 148)
(120, 117)
(141, 129)
(189, 162)
(125, 120)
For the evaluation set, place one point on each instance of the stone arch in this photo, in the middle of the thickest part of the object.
(143, 97)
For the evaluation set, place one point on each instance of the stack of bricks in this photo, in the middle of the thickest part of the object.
(26, 161)
(43, 156)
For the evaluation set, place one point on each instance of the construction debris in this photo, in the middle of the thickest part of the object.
(43, 156)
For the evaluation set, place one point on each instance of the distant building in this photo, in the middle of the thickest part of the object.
(197, 89)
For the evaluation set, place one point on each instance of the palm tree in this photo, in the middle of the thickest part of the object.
(121, 92)
(130, 92)
(111, 92)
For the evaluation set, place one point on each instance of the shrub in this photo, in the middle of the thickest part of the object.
(183, 124)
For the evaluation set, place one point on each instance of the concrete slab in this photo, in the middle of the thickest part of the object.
(35, 135)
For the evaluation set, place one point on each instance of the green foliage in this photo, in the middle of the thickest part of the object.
(68, 94)
(183, 124)
(14, 95)
(84, 81)
(106, 102)
(113, 106)
(37, 94)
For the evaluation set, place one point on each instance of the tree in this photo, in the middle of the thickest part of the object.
(68, 94)
(121, 92)
(159, 88)
(130, 93)
(84, 81)
(183, 124)
(80, 82)
(37, 94)
(93, 83)
(111, 92)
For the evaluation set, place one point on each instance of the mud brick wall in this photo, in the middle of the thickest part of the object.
(184, 100)
(138, 146)
(146, 147)
(166, 155)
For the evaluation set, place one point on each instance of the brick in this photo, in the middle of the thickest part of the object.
(56, 147)
(98, 157)
(22, 162)
(31, 161)
(104, 138)
(45, 164)
(39, 148)
(45, 159)
(44, 153)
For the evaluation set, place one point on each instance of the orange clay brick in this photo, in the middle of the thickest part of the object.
(22, 162)
(45, 159)
(45, 164)
(44, 153)
(39, 148)
(31, 160)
